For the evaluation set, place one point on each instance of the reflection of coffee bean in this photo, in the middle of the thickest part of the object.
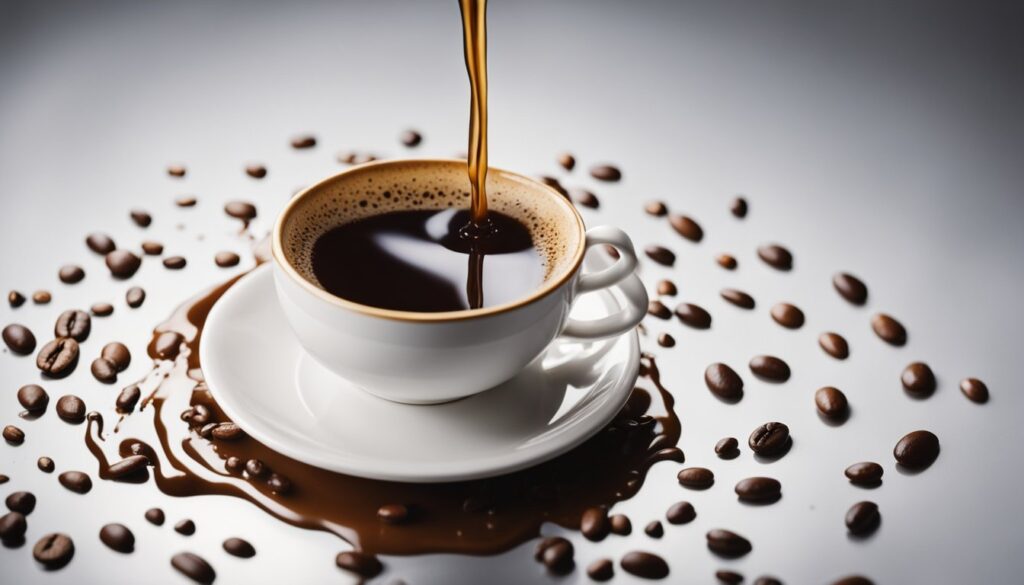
(556, 553)
(605, 173)
(917, 450)
(71, 274)
(601, 570)
(73, 324)
(831, 403)
(135, 297)
(644, 564)
(726, 261)
(118, 537)
(918, 380)
(41, 297)
(122, 263)
(680, 513)
(594, 523)
(226, 259)
(889, 330)
(186, 527)
(100, 243)
(239, 547)
(54, 550)
(33, 398)
(850, 288)
(103, 370)
(738, 298)
(693, 315)
(141, 218)
(770, 368)
(656, 208)
(151, 248)
(975, 390)
(71, 408)
(787, 315)
(411, 138)
(155, 516)
(698, 478)
(58, 357)
(769, 439)
(13, 435)
(723, 382)
(738, 207)
(15, 299)
(127, 399)
(862, 518)
(776, 256)
(834, 345)
(194, 567)
(303, 142)
(567, 161)
(866, 473)
(362, 564)
(727, 448)
(667, 288)
(76, 481)
(256, 171)
(658, 309)
(758, 489)
(22, 341)
(175, 262)
(727, 543)
(661, 255)
(686, 227)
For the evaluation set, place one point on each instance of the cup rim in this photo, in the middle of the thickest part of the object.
(549, 286)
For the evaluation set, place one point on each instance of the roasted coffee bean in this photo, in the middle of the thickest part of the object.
(656, 208)
(304, 141)
(766, 580)
(228, 432)
(693, 315)
(393, 514)
(175, 262)
(853, 580)
(226, 259)
(729, 577)
(555, 184)
(758, 489)
(58, 358)
(194, 567)
(207, 431)
(738, 298)
(666, 340)
(238, 547)
(686, 227)
(255, 468)
(102, 309)
(19, 339)
(141, 218)
(556, 553)
(658, 309)
(620, 524)
(698, 478)
(644, 564)
(73, 324)
(242, 210)
(12, 527)
(776, 256)
(727, 261)
(256, 171)
(45, 464)
(889, 330)
(71, 274)
(151, 248)
(71, 408)
(850, 288)
(411, 138)
(363, 564)
(13, 435)
(186, 527)
(831, 403)
(168, 344)
(834, 345)
(975, 390)
(727, 543)
(594, 523)
(100, 243)
(770, 368)
(681, 513)
(200, 415)
(128, 398)
(135, 297)
(862, 518)
(605, 173)
(122, 263)
(104, 370)
(724, 382)
(186, 201)
(76, 481)
(155, 516)
(118, 355)
(118, 537)
(771, 438)
(21, 502)
(667, 288)
(866, 473)
(727, 448)
(601, 570)
(787, 315)
(567, 161)
(128, 466)
(585, 198)
(918, 380)
(15, 299)
(654, 529)
(176, 170)
(33, 398)
(661, 255)
(738, 207)
(4, 479)
(917, 450)
(41, 297)
(54, 550)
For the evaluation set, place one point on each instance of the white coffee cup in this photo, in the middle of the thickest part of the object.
(425, 358)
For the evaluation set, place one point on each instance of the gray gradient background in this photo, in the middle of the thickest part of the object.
(877, 137)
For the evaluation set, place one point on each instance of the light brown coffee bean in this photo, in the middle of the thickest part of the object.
(727, 261)
(667, 288)
(186, 201)
(151, 248)
(686, 227)
(656, 208)
(567, 161)
(606, 173)
(41, 297)
(176, 170)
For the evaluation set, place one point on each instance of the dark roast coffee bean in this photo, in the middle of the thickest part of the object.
(727, 448)
(644, 564)
(853, 580)
(168, 344)
(194, 567)
(585, 198)
(13, 435)
(226, 259)
(228, 432)
(667, 288)
(152, 248)
(654, 529)
(141, 218)
(787, 315)
(658, 309)
(100, 243)
(73, 324)
(4, 479)
(975, 390)
(256, 171)
(76, 481)
(103, 370)
(15, 299)
(766, 580)
(918, 380)
(58, 358)
(54, 550)
(207, 430)
(605, 173)
(128, 466)
(118, 537)
(666, 340)
(21, 502)
(686, 227)
(567, 161)
(127, 399)
(118, 355)
(698, 478)
(19, 339)
(155, 516)
(727, 543)
(601, 570)
(41, 297)
(831, 403)
(862, 518)
(693, 315)
(238, 547)
(242, 210)
(729, 577)
(122, 263)
(71, 274)
(135, 297)
(724, 382)
(758, 489)
(834, 345)
(770, 368)
(620, 524)
(738, 298)
(726, 261)
(917, 450)
(554, 184)
(769, 439)
(175, 262)
(186, 201)
(393, 514)
(176, 170)
(33, 398)
(889, 330)
(362, 564)
(850, 288)
(102, 309)
(71, 408)
(411, 138)
(776, 256)
(12, 527)
(186, 527)
(738, 207)
(681, 513)
(656, 208)
(661, 255)
(45, 464)
(866, 473)
(556, 553)
(200, 415)
(304, 141)
(594, 523)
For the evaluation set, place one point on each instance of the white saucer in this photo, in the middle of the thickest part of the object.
(267, 384)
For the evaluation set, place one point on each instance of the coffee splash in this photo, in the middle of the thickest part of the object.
(474, 32)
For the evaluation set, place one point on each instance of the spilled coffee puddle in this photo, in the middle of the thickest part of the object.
(173, 428)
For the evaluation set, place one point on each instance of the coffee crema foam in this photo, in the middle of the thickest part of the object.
(426, 185)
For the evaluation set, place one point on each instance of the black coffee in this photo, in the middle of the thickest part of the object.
(428, 261)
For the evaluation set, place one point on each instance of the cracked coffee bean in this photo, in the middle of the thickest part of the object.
(58, 358)
(74, 324)
(54, 550)
(769, 439)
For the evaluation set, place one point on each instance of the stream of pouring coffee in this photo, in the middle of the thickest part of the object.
(474, 31)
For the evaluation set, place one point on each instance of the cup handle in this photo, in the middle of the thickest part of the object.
(621, 275)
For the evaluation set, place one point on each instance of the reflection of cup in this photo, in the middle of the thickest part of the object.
(424, 358)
